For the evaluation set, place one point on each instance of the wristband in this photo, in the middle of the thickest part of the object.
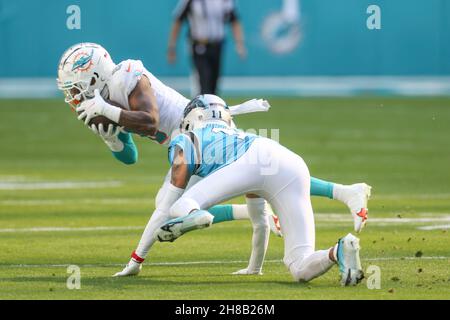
(112, 112)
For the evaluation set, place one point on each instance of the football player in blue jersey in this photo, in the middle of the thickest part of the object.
(232, 163)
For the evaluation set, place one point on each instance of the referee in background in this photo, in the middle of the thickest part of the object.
(207, 20)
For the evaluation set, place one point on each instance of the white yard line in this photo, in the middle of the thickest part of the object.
(407, 258)
(66, 229)
(411, 196)
(444, 217)
(410, 220)
(48, 185)
(333, 218)
(205, 262)
(435, 227)
(62, 202)
(386, 222)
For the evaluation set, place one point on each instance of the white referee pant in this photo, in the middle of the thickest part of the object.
(276, 174)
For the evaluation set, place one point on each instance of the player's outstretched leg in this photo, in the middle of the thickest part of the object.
(354, 196)
(175, 228)
(230, 212)
(158, 218)
(134, 266)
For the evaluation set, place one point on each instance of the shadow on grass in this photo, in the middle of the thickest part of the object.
(106, 283)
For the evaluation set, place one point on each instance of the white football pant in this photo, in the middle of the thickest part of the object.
(282, 178)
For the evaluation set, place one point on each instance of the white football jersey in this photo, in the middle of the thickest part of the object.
(171, 103)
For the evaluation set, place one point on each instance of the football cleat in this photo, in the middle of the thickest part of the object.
(175, 228)
(131, 269)
(355, 197)
(248, 272)
(347, 255)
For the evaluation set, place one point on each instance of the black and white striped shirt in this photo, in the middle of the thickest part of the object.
(207, 18)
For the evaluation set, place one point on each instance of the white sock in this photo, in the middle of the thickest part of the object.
(240, 212)
(261, 230)
(311, 266)
(339, 192)
(157, 219)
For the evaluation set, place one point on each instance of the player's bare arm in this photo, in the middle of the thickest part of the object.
(180, 171)
(143, 118)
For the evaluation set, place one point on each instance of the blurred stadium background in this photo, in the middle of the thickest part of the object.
(322, 48)
(357, 104)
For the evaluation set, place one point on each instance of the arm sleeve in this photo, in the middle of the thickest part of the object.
(181, 11)
(184, 143)
(129, 153)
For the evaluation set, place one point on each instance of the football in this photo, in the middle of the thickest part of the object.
(101, 119)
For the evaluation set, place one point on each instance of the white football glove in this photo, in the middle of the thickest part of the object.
(97, 106)
(109, 136)
(248, 272)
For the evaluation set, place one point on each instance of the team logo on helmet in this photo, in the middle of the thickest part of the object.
(83, 61)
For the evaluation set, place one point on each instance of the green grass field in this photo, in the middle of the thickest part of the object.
(54, 173)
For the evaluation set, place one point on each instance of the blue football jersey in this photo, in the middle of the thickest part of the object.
(210, 148)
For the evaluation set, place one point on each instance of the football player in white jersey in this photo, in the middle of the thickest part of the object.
(88, 77)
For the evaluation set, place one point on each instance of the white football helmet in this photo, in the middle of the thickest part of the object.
(204, 109)
(83, 68)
